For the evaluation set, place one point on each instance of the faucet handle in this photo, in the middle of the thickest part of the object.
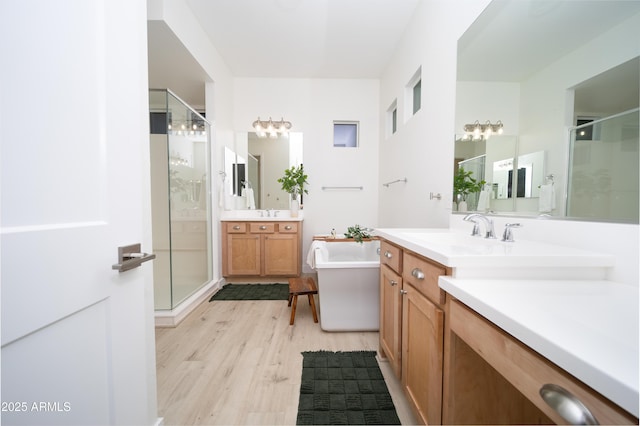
(508, 233)
(475, 232)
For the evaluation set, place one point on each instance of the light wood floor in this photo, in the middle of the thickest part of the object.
(239, 363)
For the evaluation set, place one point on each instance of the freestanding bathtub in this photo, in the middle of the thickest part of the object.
(348, 289)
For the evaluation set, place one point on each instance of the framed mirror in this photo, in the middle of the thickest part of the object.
(513, 67)
(258, 164)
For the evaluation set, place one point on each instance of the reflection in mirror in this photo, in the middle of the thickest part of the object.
(229, 160)
(501, 184)
(257, 176)
(513, 67)
(497, 155)
(239, 175)
(604, 166)
(530, 174)
(475, 166)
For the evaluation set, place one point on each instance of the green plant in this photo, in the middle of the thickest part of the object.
(464, 184)
(294, 181)
(357, 233)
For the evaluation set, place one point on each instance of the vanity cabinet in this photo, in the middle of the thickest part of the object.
(261, 249)
(423, 337)
(412, 327)
(391, 305)
(494, 378)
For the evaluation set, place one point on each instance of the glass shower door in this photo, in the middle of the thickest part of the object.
(180, 183)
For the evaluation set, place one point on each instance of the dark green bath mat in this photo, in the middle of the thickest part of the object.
(344, 388)
(252, 292)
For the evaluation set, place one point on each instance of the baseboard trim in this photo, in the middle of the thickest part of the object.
(175, 316)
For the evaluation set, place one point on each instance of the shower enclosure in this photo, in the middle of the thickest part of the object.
(180, 199)
(603, 169)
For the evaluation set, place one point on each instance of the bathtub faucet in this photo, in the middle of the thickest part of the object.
(488, 225)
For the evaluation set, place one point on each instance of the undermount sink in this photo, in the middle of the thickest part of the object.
(257, 215)
(457, 249)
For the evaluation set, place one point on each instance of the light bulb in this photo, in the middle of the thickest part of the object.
(488, 130)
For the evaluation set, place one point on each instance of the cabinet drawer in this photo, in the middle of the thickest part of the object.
(423, 275)
(288, 227)
(262, 228)
(391, 256)
(236, 227)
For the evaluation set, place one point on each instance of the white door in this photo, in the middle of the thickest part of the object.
(77, 336)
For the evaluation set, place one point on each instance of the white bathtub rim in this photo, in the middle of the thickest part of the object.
(322, 254)
(347, 265)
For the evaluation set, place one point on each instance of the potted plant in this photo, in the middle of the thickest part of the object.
(293, 182)
(357, 233)
(463, 185)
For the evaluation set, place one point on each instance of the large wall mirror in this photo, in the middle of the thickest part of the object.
(563, 79)
(253, 167)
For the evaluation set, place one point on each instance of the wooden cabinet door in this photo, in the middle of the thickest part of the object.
(391, 317)
(243, 254)
(422, 354)
(281, 254)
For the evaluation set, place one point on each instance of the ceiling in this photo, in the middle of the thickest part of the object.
(357, 39)
(511, 40)
(282, 39)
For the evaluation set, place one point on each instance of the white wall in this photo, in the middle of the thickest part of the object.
(493, 101)
(218, 94)
(422, 148)
(312, 105)
(546, 107)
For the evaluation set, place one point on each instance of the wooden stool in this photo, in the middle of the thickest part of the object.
(298, 287)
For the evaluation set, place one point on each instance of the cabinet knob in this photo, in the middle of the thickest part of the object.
(236, 227)
(287, 227)
(263, 227)
(567, 405)
(393, 282)
(417, 273)
(388, 255)
(402, 291)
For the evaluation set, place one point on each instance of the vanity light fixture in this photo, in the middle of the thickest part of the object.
(271, 128)
(477, 131)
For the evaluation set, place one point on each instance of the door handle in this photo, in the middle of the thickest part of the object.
(130, 257)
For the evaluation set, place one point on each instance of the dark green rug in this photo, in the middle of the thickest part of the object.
(252, 292)
(344, 388)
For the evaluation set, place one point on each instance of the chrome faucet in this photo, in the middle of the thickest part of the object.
(488, 225)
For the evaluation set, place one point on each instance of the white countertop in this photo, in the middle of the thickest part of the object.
(456, 249)
(588, 328)
(254, 216)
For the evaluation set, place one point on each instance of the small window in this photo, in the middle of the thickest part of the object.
(413, 95)
(392, 118)
(416, 96)
(345, 134)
